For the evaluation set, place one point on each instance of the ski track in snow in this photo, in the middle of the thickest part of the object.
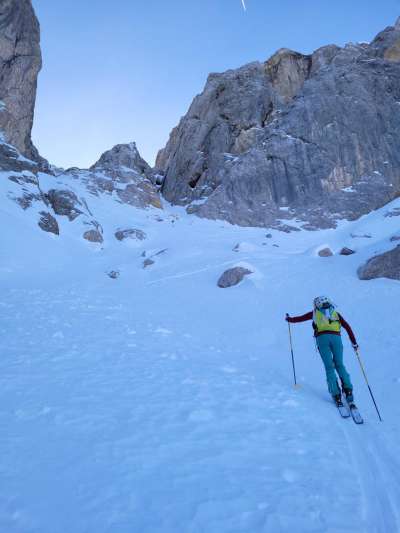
(132, 405)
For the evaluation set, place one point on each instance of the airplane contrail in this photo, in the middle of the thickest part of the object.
(244, 5)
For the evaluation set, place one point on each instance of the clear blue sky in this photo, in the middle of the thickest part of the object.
(123, 71)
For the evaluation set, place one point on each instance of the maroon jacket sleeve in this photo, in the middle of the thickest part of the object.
(348, 329)
(301, 318)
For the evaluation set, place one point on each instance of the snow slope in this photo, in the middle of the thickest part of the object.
(159, 403)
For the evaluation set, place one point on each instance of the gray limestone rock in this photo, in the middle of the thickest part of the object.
(325, 252)
(20, 63)
(386, 265)
(123, 155)
(48, 223)
(123, 171)
(11, 159)
(232, 277)
(315, 134)
(93, 235)
(64, 203)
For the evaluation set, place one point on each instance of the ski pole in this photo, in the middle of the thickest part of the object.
(366, 380)
(291, 349)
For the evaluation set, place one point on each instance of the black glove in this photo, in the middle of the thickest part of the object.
(287, 317)
(355, 347)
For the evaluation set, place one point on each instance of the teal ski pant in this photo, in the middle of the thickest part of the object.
(330, 347)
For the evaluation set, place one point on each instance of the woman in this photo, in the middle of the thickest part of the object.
(327, 323)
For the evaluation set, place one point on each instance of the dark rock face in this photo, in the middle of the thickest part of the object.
(64, 203)
(123, 155)
(316, 135)
(123, 171)
(20, 63)
(386, 265)
(232, 277)
(48, 223)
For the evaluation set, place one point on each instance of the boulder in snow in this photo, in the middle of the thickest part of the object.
(347, 251)
(233, 276)
(325, 252)
(385, 265)
(93, 235)
(135, 234)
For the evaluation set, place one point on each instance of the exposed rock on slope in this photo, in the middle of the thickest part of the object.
(386, 265)
(74, 195)
(20, 63)
(233, 277)
(123, 170)
(316, 135)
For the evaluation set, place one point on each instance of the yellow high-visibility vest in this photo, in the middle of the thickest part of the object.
(324, 323)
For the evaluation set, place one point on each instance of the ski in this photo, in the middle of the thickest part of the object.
(343, 410)
(358, 419)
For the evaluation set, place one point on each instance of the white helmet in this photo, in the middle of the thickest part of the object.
(322, 302)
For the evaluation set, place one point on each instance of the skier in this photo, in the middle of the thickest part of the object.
(327, 323)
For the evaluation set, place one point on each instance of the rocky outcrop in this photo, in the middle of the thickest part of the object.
(125, 157)
(233, 276)
(64, 203)
(48, 223)
(123, 171)
(386, 265)
(70, 194)
(20, 63)
(307, 137)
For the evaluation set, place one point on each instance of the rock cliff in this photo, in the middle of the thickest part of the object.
(20, 63)
(311, 138)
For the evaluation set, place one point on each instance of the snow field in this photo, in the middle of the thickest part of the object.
(158, 403)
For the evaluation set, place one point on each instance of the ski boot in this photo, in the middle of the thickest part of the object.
(349, 395)
(337, 398)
